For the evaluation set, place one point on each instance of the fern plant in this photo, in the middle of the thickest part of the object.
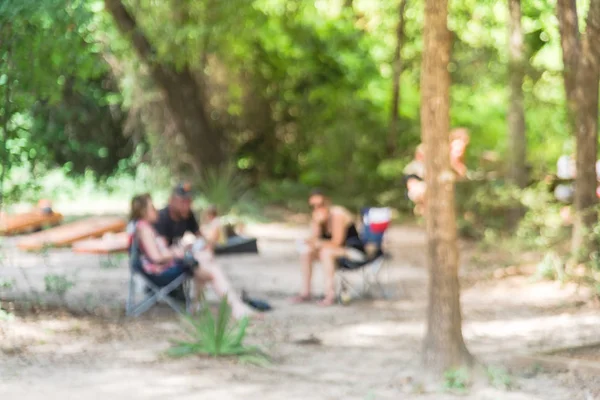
(226, 188)
(216, 336)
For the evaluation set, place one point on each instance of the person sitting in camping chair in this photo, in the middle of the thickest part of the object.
(177, 218)
(334, 236)
(162, 263)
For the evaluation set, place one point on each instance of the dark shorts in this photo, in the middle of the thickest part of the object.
(355, 243)
(169, 275)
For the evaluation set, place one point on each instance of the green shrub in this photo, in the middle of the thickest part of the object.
(216, 336)
(5, 315)
(499, 378)
(483, 205)
(286, 193)
(551, 267)
(542, 226)
(58, 284)
(457, 379)
(227, 189)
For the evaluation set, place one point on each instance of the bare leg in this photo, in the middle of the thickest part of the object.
(328, 259)
(307, 268)
(211, 272)
(308, 259)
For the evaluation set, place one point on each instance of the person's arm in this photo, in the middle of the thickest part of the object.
(315, 234)
(157, 254)
(177, 251)
(193, 226)
(457, 153)
(215, 232)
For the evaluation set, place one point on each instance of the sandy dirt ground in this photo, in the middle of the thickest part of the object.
(366, 350)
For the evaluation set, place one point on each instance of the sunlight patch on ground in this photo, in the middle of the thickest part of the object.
(371, 334)
(550, 326)
(525, 293)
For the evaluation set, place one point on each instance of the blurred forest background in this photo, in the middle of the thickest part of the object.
(257, 101)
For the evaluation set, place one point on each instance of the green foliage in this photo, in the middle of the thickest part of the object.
(112, 261)
(58, 284)
(551, 267)
(542, 227)
(300, 90)
(499, 378)
(216, 336)
(226, 188)
(287, 193)
(457, 379)
(5, 315)
(59, 103)
(6, 284)
(483, 205)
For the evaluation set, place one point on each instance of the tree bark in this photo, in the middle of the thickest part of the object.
(516, 114)
(581, 58)
(586, 121)
(182, 94)
(397, 71)
(569, 41)
(444, 345)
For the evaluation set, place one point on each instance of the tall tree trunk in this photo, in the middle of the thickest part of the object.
(397, 72)
(581, 57)
(182, 94)
(586, 120)
(444, 345)
(516, 114)
(569, 41)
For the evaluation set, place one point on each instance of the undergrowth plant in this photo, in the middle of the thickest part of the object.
(59, 284)
(228, 189)
(216, 336)
(499, 378)
(551, 267)
(6, 284)
(5, 315)
(112, 261)
(457, 379)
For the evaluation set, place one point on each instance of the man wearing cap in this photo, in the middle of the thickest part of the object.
(177, 218)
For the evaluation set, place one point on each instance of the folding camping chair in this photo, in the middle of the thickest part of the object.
(155, 293)
(375, 223)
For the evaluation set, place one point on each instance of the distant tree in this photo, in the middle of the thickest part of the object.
(182, 92)
(516, 114)
(581, 58)
(397, 72)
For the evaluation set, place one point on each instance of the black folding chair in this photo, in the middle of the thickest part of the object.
(370, 272)
(370, 268)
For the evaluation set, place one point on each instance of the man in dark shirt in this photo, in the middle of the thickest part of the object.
(177, 218)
